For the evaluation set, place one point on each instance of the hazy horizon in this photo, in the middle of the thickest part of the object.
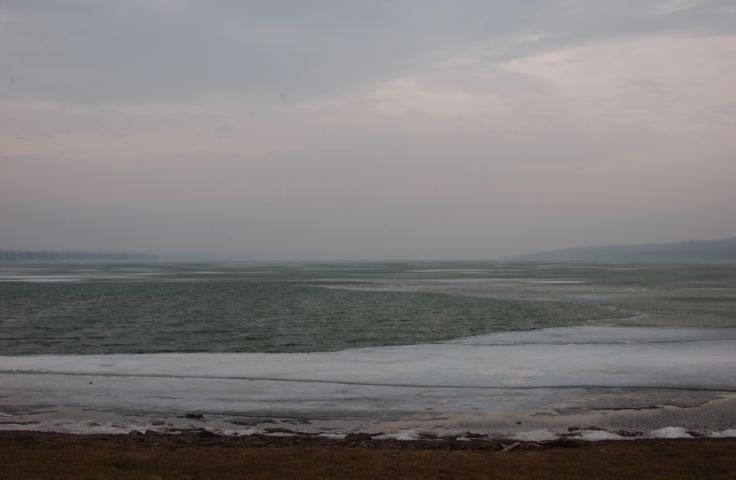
(365, 131)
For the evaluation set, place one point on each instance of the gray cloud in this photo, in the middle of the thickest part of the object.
(365, 129)
(98, 51)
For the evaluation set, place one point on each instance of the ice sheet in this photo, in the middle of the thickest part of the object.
(539, 376)
(602, 335)
(556, 358)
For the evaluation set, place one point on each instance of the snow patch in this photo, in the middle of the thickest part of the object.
(405, 435)
(669, 432)
(730, 433)
(232, 432)
(599, 436)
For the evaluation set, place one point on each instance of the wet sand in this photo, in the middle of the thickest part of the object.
(55, 456)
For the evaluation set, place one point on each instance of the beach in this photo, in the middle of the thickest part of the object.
(62, 456)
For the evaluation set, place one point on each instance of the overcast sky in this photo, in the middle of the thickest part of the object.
(365, 129)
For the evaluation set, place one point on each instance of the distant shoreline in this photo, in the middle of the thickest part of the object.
(62, 256)
(714, 252)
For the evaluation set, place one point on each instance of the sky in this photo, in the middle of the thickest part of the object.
(339, 129)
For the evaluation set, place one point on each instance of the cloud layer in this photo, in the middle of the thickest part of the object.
(365, 129)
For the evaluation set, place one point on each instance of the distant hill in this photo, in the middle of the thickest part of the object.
(709, 251)
(43, 256)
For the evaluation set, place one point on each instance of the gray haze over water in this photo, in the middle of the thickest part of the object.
(383, 129)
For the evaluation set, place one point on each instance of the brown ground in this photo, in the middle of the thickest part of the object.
(29, 455)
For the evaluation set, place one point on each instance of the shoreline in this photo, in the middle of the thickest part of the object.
(294, 428)
(282, 438)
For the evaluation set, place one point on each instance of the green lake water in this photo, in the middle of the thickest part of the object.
(157, 307)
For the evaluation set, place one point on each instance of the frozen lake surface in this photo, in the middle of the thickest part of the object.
(631, 378)
(504, 349)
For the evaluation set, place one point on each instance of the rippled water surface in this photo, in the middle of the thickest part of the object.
(127, 308)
